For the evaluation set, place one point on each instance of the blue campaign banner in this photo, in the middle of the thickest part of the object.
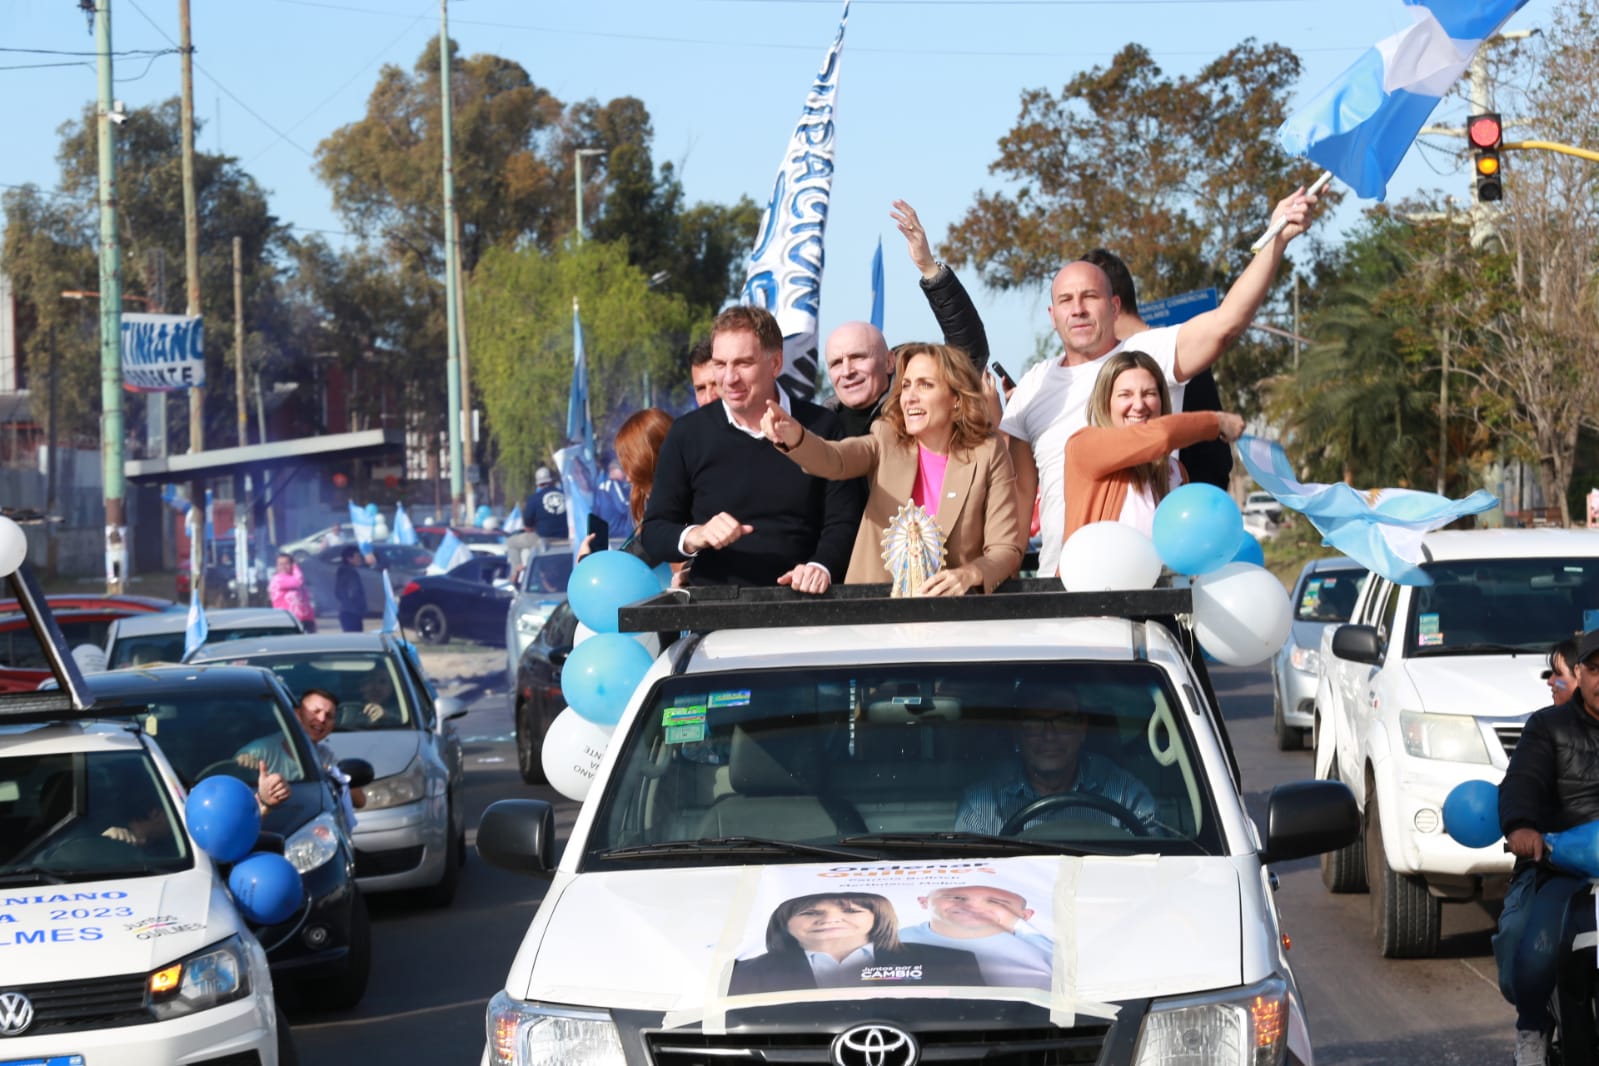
(162, 353)
(1174, 310)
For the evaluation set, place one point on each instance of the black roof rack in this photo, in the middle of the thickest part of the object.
(710, 607)
(71, 697)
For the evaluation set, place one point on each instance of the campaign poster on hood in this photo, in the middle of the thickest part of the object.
(892, 926)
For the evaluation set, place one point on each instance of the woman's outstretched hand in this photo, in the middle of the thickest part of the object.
(779, 427)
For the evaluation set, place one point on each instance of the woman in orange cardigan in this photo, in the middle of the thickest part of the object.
(1120, 466)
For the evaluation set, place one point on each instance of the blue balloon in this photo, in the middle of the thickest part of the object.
(599, 677)
(1576, 849)
(663, 574)
(371, 510)
(1471, 813)
(267, 888)
(224, 818)
(1197, 529)
(605, 580)
(1249, 551)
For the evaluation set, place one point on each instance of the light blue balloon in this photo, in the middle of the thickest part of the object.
(1249, 551)
(1197, 529)
(663, 574)
(267, 888)
(1471, 813)
(223, 817)
(371, 510)
(605, 580)
(599, 677)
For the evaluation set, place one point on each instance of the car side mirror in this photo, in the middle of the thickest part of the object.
(359, 771)
(1358, 644)
(518, 835)
(1308, 818)
(450, 708)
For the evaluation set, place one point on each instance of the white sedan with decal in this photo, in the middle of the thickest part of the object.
(119, 941)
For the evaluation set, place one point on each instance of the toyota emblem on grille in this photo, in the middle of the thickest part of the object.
(16, 1013)
(875, 1045)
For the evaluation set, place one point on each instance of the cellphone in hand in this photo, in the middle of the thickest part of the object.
(600, 530)
(1001, 376)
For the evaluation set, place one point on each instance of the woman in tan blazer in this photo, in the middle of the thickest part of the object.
(934, 445)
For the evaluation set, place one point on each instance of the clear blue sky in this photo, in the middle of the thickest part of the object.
(927, 89)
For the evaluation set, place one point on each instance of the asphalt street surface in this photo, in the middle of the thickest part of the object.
(433, 971)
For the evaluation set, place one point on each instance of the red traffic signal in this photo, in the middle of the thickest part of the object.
(1485, 131)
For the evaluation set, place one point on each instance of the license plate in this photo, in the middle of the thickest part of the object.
(53, 1060)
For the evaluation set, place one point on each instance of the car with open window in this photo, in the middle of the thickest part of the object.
(898, 831)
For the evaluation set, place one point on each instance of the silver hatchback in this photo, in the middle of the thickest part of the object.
(1323, 596)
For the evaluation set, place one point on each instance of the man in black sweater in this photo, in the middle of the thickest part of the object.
(725, 498)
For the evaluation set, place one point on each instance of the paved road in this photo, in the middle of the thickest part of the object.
(434, 971)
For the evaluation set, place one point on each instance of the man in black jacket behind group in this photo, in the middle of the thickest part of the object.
(724, 497)
(1551, 785)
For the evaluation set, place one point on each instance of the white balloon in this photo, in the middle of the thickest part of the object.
(13, 546)
(1102, 556)
(580, 634)
(1241, 613)
(572, 752)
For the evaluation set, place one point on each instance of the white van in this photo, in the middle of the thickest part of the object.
(839, 843)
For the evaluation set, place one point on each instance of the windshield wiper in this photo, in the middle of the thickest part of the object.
(31, 875)
(731, 845)
(1478, 648)
(973, 842)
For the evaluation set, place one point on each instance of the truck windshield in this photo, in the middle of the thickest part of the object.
(912, 759)
(1497, 606)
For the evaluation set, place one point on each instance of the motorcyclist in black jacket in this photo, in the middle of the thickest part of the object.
(1552, 785)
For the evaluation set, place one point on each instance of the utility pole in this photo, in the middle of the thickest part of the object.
(116, 526)
(191, 275)
(452, 311)
(468, 436)
(578, 183)
(242, 411)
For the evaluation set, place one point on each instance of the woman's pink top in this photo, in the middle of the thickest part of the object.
(930, 467)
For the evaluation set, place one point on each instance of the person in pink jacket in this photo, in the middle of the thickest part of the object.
(288, 592)
(1120, 466)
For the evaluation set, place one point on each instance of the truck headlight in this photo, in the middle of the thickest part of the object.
(209, 978)
(1455, 737)
(1305, 660)
(407, 786)
(1240, 1027)
(531, 1034)
(313, 844)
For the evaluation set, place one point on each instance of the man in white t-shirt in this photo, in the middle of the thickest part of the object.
(1051, 401)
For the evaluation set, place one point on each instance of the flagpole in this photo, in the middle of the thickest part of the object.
(1277, 226)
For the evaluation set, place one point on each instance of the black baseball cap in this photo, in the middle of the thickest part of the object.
(1587, 646)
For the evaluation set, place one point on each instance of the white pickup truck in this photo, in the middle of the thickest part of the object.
(1429, 686)
(818, 841)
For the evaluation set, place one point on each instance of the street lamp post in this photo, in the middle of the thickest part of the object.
(580, 153)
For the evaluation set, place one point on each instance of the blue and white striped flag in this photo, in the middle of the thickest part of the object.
(1382, 529)
(404, 531)
(391, 606)
(1361, 125)
(579, 423)
(513, 521)
(877, 286)
(361, 525)
(785, 269)
(195, 630)
(450, 554)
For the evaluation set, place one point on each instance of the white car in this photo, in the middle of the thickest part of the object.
(1429, 686)
(779, 790)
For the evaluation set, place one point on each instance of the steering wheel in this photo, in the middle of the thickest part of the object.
(233, 768)
(1043, 804)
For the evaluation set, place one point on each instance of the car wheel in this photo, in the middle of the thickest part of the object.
(442, 894)
(1289, 738)
(1405, 917)
(431, 625)
(288, 1054)
(345, 991)
(1344, 870)
(529, 759)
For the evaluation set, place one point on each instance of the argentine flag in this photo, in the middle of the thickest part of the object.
(1361, 125)
(513, 521)
(450, 554)
(1381, 529)
(391, 606)
(404, 531)
(361, 526)
(195, 630)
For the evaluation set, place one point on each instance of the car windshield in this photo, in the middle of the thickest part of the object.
(1329, 595)
(232, 733)
(365, 685)
(168, 647)
(917, 759)
(1482, 606)
(85, 816)
(548, 572)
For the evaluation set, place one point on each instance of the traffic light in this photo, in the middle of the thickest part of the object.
(1486, 133)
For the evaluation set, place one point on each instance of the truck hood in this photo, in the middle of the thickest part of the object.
(1489, 686)
(102, 928)
(648, 939)
(388, 750)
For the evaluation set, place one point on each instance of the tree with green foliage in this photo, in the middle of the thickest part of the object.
(521, 300)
